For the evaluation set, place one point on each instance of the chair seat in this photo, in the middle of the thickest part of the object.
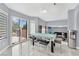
(44, 42)
(32, 37)
(58, 41)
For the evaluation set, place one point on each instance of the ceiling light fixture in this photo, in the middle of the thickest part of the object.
(54, 4)
(44, 11)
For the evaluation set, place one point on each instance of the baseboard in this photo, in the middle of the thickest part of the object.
(2, 50)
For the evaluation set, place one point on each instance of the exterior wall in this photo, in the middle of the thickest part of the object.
(24, 31)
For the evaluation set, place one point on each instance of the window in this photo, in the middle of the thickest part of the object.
(50, 30)
(3, 24)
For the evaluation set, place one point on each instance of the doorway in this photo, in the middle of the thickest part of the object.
(19, 30)
(32, 26)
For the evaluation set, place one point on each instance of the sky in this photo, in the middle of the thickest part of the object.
(22, 21)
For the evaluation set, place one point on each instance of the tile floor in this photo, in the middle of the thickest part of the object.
(26, 49)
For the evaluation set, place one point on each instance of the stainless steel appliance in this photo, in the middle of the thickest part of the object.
(72, 38)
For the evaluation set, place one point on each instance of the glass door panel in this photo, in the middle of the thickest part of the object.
(15, 30)
(23, 30)
(19, 30)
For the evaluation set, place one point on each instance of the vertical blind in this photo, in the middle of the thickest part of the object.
(3, 24)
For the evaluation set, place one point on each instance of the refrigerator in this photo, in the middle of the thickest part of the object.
(72, 36)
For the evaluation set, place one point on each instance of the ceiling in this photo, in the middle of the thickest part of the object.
(46, 11)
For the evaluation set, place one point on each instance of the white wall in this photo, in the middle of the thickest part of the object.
(72, 19)
(57, 23)
(41, 22)
(59, 29)
(32, 26)
(58, 26)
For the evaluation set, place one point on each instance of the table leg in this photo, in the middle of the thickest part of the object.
(33, 42)
(52, 46)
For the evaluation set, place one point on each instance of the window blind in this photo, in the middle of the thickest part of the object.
(3, 24)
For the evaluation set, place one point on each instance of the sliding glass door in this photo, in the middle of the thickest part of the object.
(15, 30)
(19, 30)
(23, 30)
